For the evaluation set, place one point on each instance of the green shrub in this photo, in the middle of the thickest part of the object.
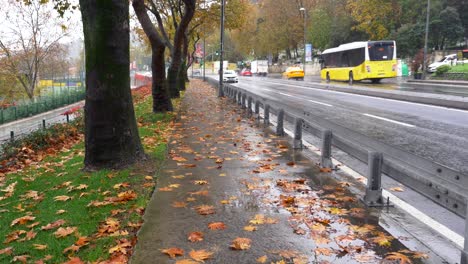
(442, 69)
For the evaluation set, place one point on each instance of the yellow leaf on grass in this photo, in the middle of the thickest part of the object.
(6, 251)
(173, 252)
(62, 198)
(22, 220)
(72, 248)
(53, 225)
(63, 232)
(241, 243)
(39, 246)
(200, 255)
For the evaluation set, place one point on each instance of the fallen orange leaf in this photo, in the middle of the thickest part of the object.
(205, 209)
(262, 259)
(217, 226)
(63, 232)
(241, 243)
(195, 236)
(200, 255)
(6, 251)
(173, 252)
(53, 225)
(22, 220)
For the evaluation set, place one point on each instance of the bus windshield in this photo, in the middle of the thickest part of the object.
(381, 51)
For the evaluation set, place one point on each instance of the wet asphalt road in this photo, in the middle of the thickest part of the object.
(436, 133)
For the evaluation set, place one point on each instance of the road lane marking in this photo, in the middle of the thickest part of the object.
(389, 120)
(312, 101)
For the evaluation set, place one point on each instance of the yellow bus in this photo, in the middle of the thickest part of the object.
(364, 60)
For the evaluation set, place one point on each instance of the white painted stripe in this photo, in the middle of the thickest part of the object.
(457, 239)
(319, 103)
(312, 101)
(389, 120)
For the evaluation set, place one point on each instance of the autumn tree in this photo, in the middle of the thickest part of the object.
(373, 17)
(161, 99)
(30, 36)
(111, 134)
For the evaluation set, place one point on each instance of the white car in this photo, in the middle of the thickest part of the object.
(230, 76)
(446, 60)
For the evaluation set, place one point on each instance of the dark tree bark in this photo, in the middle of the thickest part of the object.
(183, 78)
(174, 76)
(111, 134)
(161, 99)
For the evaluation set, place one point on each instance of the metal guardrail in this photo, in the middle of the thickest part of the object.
(439, 183)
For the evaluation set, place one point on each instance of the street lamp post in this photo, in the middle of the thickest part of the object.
(305, 33)
(220, 91)
(425, 39)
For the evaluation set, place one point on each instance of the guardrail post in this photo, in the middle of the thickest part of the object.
(464, 252)
(297, 144)
(43, 124)
(249, 106)
(266, 115)
(257, 110)
(243, 100)
(239, 97)
(12, 136)
(326, 149)
(279, 126)
(68, 118)
(373, 195)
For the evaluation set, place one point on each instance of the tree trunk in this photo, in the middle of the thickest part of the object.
(175, 68)
(161, 99)
(111, 134)
(185, 63)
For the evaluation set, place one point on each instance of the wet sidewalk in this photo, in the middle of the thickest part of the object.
(232, 192)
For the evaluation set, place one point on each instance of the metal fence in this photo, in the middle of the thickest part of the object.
(439, 183)
(54, 94)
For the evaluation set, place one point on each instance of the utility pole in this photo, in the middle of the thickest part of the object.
(305, 34)
(220, 91)
(425, 39)
(204, 43)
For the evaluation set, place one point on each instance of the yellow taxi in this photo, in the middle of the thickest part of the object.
(294, 73)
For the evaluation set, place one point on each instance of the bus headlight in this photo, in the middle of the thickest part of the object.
(368, 68)
(394, 67)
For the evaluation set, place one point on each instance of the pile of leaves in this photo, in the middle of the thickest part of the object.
(51, 211)
(141, 93)
(32, 148)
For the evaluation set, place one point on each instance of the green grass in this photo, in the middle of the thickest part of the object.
(459, 68)
(60, 175)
